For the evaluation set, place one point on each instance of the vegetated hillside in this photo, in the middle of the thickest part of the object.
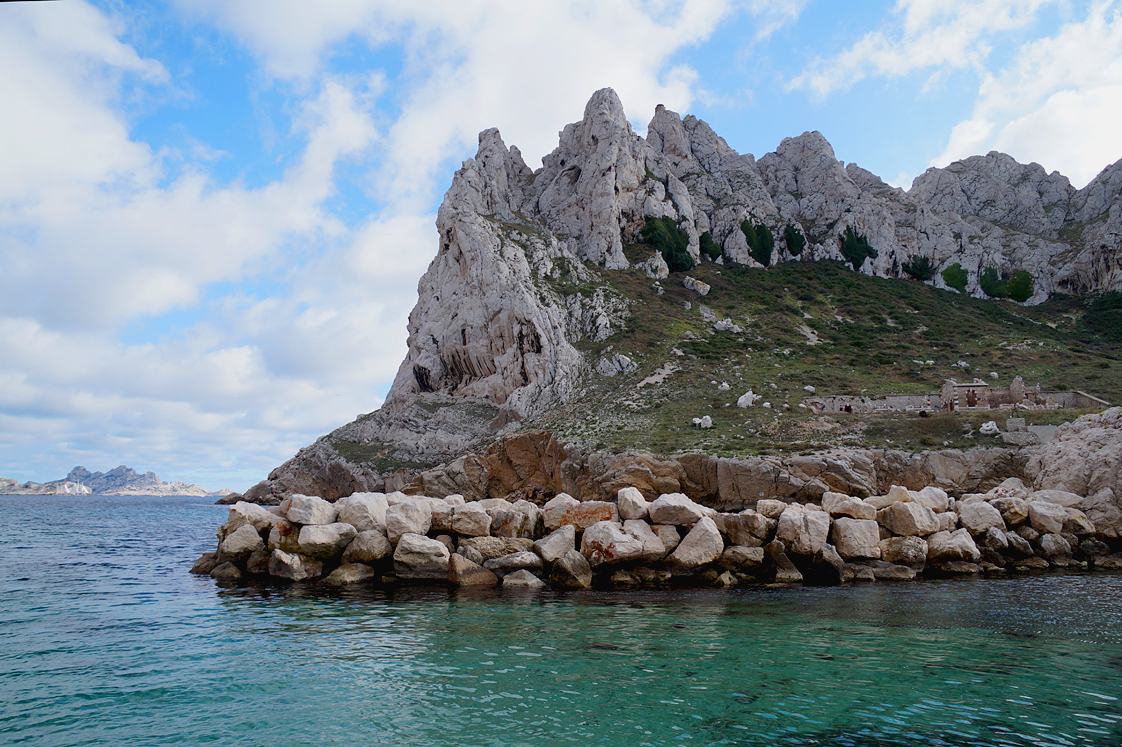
(820, 324)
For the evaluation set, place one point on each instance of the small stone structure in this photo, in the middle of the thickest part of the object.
(969, 396)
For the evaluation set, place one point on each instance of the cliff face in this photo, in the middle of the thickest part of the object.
(516, 286)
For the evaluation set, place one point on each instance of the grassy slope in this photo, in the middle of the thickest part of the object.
(870, 330)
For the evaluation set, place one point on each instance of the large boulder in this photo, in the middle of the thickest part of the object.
(1047, 518)
(908, 519)
(534, 524)
(293, 567)
(1053, 546)
(978, 516)
(463, 572)
(370, 546)
(242, 513)
(326, 540)
(910, 551)
(856, 538)
(556, 543)
(309, 509)
(553, 513)
(653, 546)
(944, 547)
(742, 559)
(515, 561)
(934, 498)
(632, 504)
(803, 531)
(703, 545)
(471, 520)
(495, 547)
(748, 528)
(605, 542)
(571, 571)
(240, 543)
(410, 517)
(1013, 510)
(522, 579)
(363, 511)
(676, 509)
(349, 574)
(417, 556)
(840, 504)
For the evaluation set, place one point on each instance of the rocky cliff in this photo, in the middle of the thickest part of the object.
(122, 480)
(518, 287)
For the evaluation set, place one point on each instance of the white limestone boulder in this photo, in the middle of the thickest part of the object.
(369, 546)
(309, 509)
(840, 504)
(556, 543)
(653, 547)
(408, 517)
(1047, 518)
(856, 538)
(293, 567)
(979, 516)
(803, 531)
(419, 557)
(241, 543)
(908, 519)
(555, 509)
(701, 546)
(605, 543)
(363, 511)
(471, 520)
(632, 504)
(326, 540)
(944, 547)
(676, 509)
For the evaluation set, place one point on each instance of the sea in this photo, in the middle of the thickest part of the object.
(107, 639)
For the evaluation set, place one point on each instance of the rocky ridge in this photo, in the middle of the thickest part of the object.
(516, 287)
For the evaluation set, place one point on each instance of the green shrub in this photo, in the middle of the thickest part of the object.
(1020, 287)
(664, 235)
(794, 239)
(708, 246)
(919, 268)
(855, 248)
(955, 277)
(760, 241)
(991, 284)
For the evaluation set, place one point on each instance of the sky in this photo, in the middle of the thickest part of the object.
(214, 213)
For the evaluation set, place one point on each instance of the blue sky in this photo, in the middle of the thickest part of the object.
(214, 213)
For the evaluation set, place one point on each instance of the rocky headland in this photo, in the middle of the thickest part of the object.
(547, 305)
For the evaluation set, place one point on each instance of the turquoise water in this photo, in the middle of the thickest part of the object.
(106, 639)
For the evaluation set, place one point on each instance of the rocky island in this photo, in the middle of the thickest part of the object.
(611, 361)
(122, 480)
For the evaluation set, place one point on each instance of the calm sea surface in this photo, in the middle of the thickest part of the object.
(106, 639)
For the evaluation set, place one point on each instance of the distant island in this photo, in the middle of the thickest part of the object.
(120, 481)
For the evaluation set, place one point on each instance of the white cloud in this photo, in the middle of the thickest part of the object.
(95, 237)
(924, 34)
(1058, 103)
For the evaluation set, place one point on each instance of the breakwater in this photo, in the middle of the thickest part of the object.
(377, 538)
